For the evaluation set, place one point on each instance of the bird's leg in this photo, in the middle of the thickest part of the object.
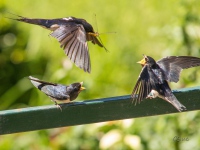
(58, 106)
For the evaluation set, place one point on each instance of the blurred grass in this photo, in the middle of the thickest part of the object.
(155, 28)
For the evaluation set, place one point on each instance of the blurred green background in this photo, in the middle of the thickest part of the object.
(153, 27)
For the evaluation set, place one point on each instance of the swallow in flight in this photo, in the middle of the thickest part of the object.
(72, 34)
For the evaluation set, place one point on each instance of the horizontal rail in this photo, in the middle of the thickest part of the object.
(92, 111)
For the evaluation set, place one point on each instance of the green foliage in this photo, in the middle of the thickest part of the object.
(155, 28)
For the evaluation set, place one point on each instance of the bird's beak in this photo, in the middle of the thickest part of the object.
(142, 62)
(82, 88)
(93, 34)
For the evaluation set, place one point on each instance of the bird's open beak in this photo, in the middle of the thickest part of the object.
(82, 88)
(142, 62)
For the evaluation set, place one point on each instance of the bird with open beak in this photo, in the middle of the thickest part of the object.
(58, 92)
(72, 34)
(154, 77)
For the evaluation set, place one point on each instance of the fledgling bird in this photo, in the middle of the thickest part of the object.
(154, 77)
(58, 92)
(72, 34)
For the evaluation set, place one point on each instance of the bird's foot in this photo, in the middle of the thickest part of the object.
(58, 106)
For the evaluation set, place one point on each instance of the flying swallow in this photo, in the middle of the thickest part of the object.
(72, 34)
(154, 77)
(58, 92)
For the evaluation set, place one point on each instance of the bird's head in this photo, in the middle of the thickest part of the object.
(147, 60)
(81, 87)
(74, 90)
(77, 87)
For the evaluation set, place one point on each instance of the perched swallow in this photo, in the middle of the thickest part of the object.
(154, 77)
(58, 92)
(73, 34)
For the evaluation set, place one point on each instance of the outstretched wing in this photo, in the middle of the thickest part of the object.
(72, 38)
(173, 66)
(143, 86)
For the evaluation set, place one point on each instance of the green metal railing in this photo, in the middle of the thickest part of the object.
(92, 111)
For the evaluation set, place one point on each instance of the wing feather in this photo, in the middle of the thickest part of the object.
(173, 65)
(143, 86)
(73, 40)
